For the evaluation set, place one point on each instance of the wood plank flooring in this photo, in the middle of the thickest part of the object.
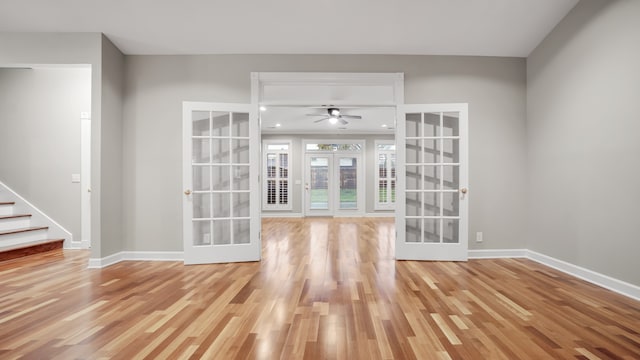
(326, 289)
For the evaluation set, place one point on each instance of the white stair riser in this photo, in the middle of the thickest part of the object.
(6, 210)
(14, 239)
(14, 223)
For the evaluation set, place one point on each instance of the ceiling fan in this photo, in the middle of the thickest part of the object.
(334, 116)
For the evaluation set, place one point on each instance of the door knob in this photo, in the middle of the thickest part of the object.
(187, 192)
(463, 190)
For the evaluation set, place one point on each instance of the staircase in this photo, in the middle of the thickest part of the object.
(19, 237)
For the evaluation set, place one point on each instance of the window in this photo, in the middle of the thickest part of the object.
(276, 194)
(385, 175)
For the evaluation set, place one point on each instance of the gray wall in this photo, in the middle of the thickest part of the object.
(297, 170)
(40, 137)
(583, 87)
(111, 145)
(155, 87)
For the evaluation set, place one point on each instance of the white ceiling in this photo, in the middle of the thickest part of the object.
(294, 120)
(434, 27)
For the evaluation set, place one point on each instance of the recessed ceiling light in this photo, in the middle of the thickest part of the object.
(278, 125)
(262, 108)
(384, 125)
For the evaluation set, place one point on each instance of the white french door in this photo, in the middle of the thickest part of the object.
(221, 187)
(432, 211)
(333, 184)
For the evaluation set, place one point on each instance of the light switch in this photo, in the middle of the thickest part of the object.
(75, 178)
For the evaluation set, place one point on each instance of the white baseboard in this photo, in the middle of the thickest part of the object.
(76, 245)
(497, 253)
(381, 214)
(281, 215)
(135, 256)
(591, 276)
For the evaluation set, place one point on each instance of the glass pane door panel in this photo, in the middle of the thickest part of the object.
(240, 151)
(319, 183)
(431, 151)
(201, 123)
(450, 232)
(241, 229)
(201, 205)
(431, 124)
(414, 177)
(431, 229)
(451, 125)
(271, 192)
(451, 204)
(220, 205)
(222, 232)
(220, 179)
(241, 204)
(201, 233)
(220, 150)
(201, 151)
(240, 125)
(220, 123)
(414, 125)
(451, 178)
(431, 179)
(451, 151)
(431, 201)
(383, 191)
(413, 228)
(348, 183)
(240, 177)
(413, 151)
(413, 204)
(201, 178)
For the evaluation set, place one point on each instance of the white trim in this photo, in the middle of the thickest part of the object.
(607, 282)
(268, 214)
(497, 253)
(79, 245)
(105, 261)
(55, 231)
(389, 214)
(136, 256)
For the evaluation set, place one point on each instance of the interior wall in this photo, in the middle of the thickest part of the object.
(40, 137)
(155, 87)
(297, 167)
(582, 133)
(111, 139)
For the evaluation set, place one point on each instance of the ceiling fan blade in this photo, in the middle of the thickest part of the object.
(343, 121)
(316, 114)
(323, 119)
(351, 116)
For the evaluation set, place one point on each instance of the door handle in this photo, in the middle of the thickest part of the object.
(463, 191)
(187, 192)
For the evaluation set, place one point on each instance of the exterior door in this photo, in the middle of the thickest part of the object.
(221, 185)
(432, 211)
(333, 184)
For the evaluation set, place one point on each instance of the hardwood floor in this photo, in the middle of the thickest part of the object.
(326, 289)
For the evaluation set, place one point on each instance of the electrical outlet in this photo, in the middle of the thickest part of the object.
(479, 236)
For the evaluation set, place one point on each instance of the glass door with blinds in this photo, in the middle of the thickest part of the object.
(221, 186)
(432, 154)
(277, 175)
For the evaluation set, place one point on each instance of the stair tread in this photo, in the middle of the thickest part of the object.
(5, 251)
(20, 230)
(7, 203)
(14, 216)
